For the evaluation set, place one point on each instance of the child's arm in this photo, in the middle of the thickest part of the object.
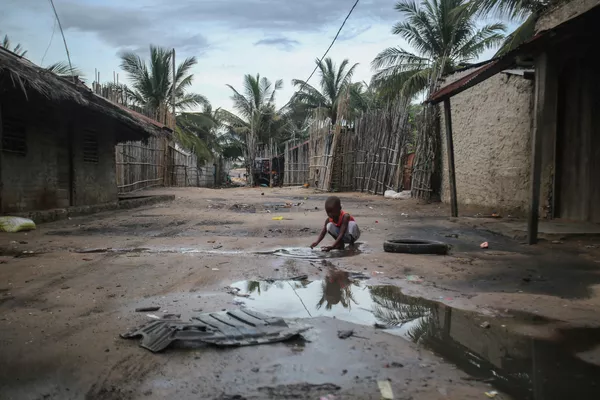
(321, 236)
(340, 238)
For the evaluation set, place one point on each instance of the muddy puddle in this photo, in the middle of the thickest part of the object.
(307, 253)
(290, 252)
(563, 363)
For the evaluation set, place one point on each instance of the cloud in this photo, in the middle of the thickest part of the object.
(353, 32)
(279, 42)
(282, 15)
(127, 28)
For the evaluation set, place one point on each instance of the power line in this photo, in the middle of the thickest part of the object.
(50, 43)
(324, 54)
(63, 36)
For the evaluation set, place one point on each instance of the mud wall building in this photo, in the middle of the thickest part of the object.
(491, 129)
(58, 139)
(564, 144)
(493, 122)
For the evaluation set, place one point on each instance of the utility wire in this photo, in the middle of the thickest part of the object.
(324, 54)
(50, 43)
(63, 36)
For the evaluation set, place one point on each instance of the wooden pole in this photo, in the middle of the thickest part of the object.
(450, 151)
(540, 109)
(173, 90)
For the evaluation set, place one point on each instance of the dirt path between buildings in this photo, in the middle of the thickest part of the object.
(509, 321)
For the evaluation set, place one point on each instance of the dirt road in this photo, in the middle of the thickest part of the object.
(70, 288)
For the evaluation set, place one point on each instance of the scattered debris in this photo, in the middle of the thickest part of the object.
(217, 247)
(357, 275)
(152, 316)
(394, 364)
(277, 218)
(386, 390)
(235, 292)
(98, 250)
(215, 269)
(211, 241)
(491, 394)
(145, 309)
(485, 325)
(229, 328)
(255, 369)
(345, 334)
(452, 235)
(171, 316)
(484, 245)
(414, 278)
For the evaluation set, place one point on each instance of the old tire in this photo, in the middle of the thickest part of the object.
(415, 246)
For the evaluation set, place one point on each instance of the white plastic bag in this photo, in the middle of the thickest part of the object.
(390, 194)
(16, 224)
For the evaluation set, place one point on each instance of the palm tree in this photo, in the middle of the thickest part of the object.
(198, 132)
(153, 84)
(257, 118)
(334, 85)
(444, 36)
(528, 12)
(18, 49)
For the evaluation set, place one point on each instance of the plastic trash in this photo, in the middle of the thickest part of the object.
(277, 218)
(391, 194)
(484, 245)
(491, 394)
(386, 390)
(16, 224)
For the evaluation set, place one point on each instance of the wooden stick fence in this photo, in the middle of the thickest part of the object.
(368, 158)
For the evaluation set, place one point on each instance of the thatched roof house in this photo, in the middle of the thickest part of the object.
(58, 139)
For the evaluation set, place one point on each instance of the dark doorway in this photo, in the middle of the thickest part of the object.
(578, 140)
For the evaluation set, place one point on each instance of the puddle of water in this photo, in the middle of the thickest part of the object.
(525, 367)
(294, 252)
(312, 254)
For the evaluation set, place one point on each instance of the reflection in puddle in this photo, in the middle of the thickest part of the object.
(525, 367)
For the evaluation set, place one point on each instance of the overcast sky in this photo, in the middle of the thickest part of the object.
(279, 39)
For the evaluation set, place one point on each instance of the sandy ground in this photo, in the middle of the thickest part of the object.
(62, 310)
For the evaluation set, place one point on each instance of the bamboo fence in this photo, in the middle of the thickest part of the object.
(369, 156)
(297, 165)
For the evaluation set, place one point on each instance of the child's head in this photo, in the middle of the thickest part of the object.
(333, 207)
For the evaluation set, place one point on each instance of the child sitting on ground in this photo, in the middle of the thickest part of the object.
(340, 225)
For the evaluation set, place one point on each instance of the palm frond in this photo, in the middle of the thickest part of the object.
(62, 68)
(524, 32)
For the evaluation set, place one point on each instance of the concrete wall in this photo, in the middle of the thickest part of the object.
(95, 182)
(40, 179)
(563, 13)
(491, 131)
(30, 181)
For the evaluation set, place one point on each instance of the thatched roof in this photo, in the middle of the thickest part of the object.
(29, 78)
